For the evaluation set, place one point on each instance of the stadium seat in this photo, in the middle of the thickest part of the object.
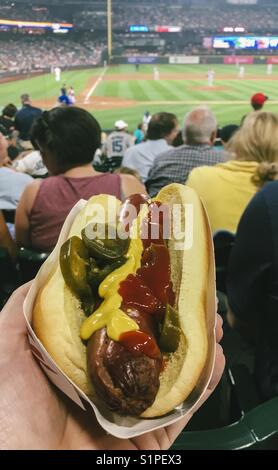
(258, 428)
(223, 243)
(252, 424)
(29, 263)
(8, 276)
(109, 164)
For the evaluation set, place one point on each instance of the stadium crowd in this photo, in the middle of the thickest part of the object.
(198, 19)
(26, 54)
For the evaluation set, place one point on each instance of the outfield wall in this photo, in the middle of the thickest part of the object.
(151, 60)
(193, 60)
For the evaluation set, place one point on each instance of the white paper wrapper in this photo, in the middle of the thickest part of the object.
(114, 424)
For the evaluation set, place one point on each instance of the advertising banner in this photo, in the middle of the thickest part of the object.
(272, 60)
(233, 60)
(184, 59)
(142, 60)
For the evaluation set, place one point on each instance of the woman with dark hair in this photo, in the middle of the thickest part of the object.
(67, 139)
(7, 118)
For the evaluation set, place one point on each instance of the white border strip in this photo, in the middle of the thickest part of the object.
(91, 91)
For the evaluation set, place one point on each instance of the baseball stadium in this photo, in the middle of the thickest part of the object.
(120, 101)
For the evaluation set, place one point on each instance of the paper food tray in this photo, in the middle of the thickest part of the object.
(121, 427)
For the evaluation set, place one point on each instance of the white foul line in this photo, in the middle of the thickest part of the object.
(91, 91)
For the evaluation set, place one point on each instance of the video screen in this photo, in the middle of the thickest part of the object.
(245, 42)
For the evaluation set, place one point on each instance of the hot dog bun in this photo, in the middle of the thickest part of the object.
(58, 316)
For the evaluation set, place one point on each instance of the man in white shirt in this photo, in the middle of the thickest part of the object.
(12, 184)
(146, 119)
(118, 141)
(162, 129)
(31, 164)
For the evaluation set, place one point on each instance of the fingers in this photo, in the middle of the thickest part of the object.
(218, 328)
(218, 370)
(22, 290)
(12, 313)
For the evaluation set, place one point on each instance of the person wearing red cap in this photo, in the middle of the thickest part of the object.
(258, 100)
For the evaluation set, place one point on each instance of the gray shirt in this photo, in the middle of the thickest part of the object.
(175, 165)
(117, 143)
(12, 185)
(141, 157)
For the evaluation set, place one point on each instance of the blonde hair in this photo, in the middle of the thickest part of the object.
(257, 140)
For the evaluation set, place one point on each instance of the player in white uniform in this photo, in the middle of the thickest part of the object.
(210, 76)
(57, 73)
(241, 72)
(71, 95)
(269, 69)
(156, 73)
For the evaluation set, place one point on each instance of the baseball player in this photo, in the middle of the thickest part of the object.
(57, 73)
(71, 95)
(210, 76)
(241, 72)
(156, 73)
(269, 69)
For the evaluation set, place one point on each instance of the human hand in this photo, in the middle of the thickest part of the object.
(3, 149)
(35, 415)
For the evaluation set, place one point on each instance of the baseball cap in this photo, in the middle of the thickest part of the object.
(259, 99)
(120, 124)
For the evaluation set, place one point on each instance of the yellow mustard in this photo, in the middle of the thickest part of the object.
(109, 314)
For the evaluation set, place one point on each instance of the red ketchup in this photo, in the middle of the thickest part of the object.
(150, 289)
(139, 343)
(131, 208)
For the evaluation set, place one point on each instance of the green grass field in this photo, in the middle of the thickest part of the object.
(179, 89)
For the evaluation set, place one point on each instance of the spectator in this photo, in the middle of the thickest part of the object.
(12, 183)
(226, 133)
(227, 188)
(178, 140)
(252, 284)
(32, 164)
(25, 118)
(162, 129)
(7, 118)
(139, 134)
(174, 166)
(258, 100)
(118, 141)
(146, 120)
(67, 138)
(123, 170)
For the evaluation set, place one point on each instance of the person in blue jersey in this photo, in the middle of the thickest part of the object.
(63, 99)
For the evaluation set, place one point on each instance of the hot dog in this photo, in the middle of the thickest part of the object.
(129, 328)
